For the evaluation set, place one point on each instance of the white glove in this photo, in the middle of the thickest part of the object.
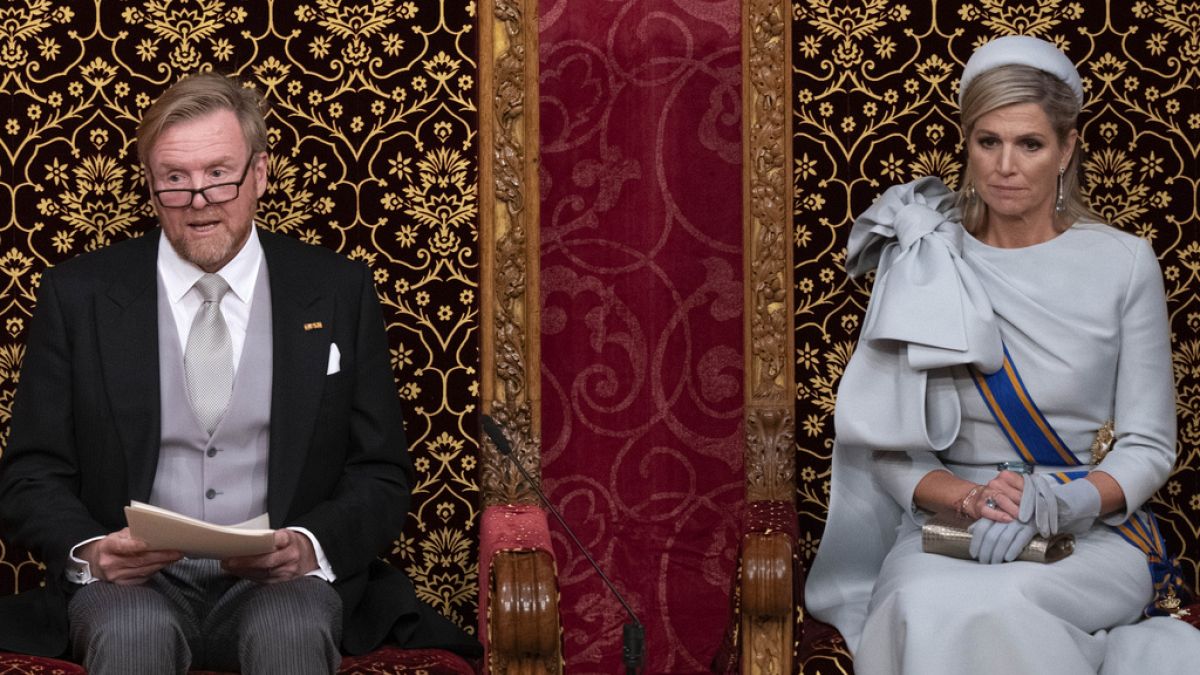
(1059, 507)
(994, 542)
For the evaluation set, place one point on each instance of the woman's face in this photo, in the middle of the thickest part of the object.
(1014, 158)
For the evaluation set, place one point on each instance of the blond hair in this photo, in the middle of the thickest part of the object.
(197, 95)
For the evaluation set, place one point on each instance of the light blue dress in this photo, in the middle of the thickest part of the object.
(1084, 319)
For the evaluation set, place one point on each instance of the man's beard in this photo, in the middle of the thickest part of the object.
(208, 252)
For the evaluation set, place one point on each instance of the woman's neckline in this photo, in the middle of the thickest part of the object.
(1028, 247)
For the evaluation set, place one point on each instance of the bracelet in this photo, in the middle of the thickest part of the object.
(966, 501)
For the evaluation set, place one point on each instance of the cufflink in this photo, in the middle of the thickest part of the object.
(79, 572)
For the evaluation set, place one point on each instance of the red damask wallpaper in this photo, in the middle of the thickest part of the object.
(642, 318)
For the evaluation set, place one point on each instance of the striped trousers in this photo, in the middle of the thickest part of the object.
(193, 615)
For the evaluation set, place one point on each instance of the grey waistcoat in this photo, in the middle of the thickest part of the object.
(222, 479)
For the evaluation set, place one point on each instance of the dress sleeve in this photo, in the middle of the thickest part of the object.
(1144, 402)
(899, 472)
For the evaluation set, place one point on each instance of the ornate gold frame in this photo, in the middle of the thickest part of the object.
(508, 240)
(523, 629)
(767, 610)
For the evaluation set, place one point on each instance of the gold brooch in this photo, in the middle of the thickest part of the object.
(1169, 603)
(1103, 442)
(314, 325)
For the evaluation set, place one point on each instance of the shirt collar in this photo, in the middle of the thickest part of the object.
(241, 273)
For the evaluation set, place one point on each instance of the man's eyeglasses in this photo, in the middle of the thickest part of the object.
(177, 198)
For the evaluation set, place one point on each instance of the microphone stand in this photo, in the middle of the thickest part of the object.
(633, 635)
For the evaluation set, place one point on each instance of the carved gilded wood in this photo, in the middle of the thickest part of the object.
(766, 583)
(770, 377)
(524, 629)
(508, 237)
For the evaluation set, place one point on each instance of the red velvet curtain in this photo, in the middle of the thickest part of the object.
(641, 290)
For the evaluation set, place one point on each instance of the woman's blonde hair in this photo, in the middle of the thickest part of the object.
(198, 95)
(1010, 85)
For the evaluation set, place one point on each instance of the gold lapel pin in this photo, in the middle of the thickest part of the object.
(313, 325)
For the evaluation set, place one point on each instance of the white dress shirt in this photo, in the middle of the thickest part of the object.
(179, 278)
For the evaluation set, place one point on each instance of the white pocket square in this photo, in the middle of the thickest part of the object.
(335, 359)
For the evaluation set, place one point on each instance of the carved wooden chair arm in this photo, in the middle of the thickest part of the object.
(524, 621)
(519, 619)
(767, 575)
(767, 598)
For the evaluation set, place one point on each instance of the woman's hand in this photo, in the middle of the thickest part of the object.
(1000, 498)
(1061, 507)
(993, 542)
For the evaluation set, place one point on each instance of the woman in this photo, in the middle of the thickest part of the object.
(1010, 293)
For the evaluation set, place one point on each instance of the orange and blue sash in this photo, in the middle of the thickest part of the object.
(1030, 434)
(1023, 424)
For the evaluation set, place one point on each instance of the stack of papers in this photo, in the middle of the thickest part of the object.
(166, 530)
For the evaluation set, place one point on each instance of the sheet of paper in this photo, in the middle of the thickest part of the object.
(167, 530)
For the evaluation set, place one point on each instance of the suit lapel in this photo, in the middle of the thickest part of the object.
(301, 332)
(127, 334)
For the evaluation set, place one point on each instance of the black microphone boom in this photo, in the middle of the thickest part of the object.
(633, 636)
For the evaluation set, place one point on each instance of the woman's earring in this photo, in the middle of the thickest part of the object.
(971, 195)
(1059, 201)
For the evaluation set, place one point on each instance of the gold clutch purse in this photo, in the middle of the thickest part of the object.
(946, 534)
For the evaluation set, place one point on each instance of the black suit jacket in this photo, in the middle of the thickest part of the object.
(86, 430)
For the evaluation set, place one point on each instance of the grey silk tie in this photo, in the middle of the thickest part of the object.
(208, 358)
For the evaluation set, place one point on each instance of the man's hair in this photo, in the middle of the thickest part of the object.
(197, 95)
(1010, 85)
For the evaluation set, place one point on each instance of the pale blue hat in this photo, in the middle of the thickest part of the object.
(1021, 50)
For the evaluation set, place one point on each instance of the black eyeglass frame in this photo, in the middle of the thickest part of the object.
(203, 192)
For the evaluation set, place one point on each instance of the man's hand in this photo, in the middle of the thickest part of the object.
(121, 559)
(293, 557)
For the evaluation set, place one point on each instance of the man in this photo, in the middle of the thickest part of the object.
(222, 372)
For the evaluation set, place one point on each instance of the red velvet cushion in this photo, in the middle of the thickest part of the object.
(397, 661)
(767, 516)
(389, 660)
(1191, 614)
(18, 664)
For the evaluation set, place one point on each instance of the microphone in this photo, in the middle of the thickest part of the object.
(633, 635)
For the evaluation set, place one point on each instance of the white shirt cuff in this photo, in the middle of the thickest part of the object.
(78, 570)
(324, 569)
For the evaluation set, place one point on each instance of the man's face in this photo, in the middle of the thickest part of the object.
(194, 154)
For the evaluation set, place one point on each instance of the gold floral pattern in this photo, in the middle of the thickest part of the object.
(372, 128)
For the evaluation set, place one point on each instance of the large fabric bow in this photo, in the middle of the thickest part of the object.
(927, 313)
